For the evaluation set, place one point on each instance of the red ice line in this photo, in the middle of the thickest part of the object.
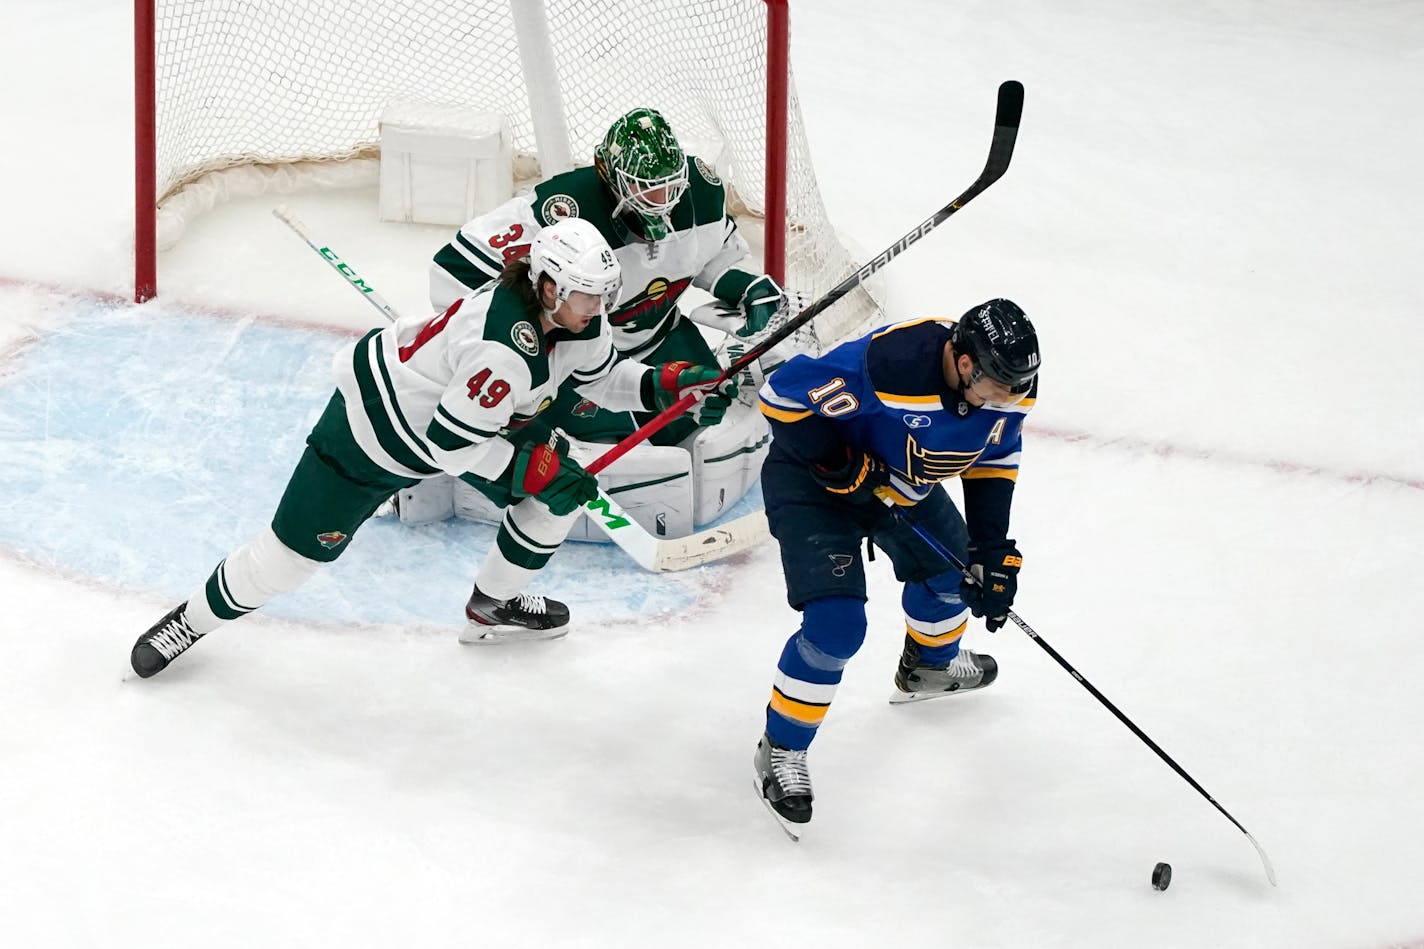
(1129, 444)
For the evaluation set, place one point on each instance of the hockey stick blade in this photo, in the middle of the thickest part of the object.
(1001, 150)
(1103, 700)
(659, 554)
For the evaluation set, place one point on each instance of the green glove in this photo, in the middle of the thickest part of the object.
(761, 300)
(537, 430)
(544, 470)
(672, 380)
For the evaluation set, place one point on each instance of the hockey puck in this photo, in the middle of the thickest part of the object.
(1161, 876)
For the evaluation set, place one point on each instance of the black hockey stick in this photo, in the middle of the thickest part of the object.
(1001, 150)
(959, 565)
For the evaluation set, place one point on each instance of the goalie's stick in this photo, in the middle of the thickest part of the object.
(1001, 150)
(1103, 699)
(649, 552)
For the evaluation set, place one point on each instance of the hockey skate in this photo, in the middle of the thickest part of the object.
(523, 618)
(784, 785)
(163, 643)
(965, 673)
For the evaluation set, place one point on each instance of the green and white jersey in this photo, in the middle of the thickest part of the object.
(425, 396)
(701, 250)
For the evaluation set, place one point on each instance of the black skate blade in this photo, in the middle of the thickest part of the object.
(478, 634)
(786, 826)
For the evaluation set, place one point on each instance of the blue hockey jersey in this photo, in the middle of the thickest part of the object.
(885, 393)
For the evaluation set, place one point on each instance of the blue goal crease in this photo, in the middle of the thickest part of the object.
(142, 447)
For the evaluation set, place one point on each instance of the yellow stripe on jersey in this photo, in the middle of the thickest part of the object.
(806, 713)
(889, 493)
(908, 401)
(783, 415)
(908, 323)
(1008, 474)
(926, 638)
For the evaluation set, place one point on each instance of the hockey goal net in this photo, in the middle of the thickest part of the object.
(262, 94)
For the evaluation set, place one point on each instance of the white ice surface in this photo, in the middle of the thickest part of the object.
(1211, 216)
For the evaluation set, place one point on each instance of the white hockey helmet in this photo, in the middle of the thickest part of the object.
(576, 257)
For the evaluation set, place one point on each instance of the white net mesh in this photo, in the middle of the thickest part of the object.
(277, 82)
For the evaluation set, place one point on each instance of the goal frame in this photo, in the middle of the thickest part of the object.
(146, 123)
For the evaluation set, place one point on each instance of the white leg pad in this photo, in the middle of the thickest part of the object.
(653, 483)
(727, 459)
(429, 500)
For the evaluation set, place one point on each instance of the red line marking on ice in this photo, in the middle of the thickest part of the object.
(169, 305)
(1130, 444)
(1142, 446)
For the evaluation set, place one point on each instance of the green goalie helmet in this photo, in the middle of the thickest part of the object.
(643, 165)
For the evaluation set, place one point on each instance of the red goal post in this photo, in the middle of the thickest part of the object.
(246, 96)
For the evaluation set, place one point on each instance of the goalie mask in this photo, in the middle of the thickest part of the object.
(643, 165)
(574, 255)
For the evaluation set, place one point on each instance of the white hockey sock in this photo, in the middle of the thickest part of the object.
(249, 577)
(528, 537)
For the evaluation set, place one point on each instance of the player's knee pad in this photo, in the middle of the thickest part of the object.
(832, 630)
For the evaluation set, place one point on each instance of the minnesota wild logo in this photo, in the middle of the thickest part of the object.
(524, 337)
(644, 310)
(707, 171)
(330, 539)
(559, 207)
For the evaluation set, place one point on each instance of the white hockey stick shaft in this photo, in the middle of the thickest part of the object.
(649, 552)
(283, 214)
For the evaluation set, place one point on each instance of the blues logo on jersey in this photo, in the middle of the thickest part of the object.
(887, 394)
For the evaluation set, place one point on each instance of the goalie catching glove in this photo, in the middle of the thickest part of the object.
(542, 468)
(762, 300)
(667, 383)
(995, 567)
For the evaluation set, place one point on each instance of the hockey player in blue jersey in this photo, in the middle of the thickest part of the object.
(861, 439)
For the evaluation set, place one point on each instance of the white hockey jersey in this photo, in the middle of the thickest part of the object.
(701, 250)
(425, 396)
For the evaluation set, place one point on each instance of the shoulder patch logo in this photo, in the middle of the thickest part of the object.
(917, 421)
(706, 170)
(525, 338)
(558, 207)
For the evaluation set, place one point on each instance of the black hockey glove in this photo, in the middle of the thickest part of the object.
(536, 430)
(996, 568)
(856, 479)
